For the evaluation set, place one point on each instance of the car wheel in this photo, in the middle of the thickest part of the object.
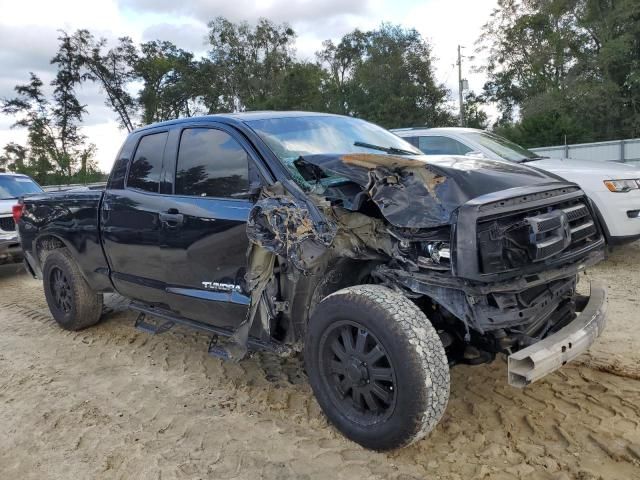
(73, 304)
(377, 366)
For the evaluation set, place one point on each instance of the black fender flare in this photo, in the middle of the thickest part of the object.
(310, 290)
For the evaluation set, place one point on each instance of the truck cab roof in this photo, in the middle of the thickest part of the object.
(238, 117)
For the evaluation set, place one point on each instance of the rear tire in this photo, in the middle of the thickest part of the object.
(377, 366)
(72, 302)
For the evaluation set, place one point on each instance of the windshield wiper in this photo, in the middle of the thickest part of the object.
(398, 151)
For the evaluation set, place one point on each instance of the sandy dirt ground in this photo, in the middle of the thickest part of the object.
(113, 402)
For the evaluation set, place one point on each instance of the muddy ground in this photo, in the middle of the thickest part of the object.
(113, 402)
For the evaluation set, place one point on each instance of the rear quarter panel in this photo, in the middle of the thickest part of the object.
(71, 218)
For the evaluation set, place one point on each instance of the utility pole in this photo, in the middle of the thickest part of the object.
(460, 88)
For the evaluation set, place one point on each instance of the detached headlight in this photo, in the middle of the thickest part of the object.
(435, 254)
(621, 186)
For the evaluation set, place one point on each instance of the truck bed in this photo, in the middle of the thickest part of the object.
(72, 218)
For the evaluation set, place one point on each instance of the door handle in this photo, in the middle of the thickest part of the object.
(171, 218)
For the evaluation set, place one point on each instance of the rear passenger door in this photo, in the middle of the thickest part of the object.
(204, 254)
(131, 222)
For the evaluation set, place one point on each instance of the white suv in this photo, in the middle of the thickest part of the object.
(12, 187)
(613, 187)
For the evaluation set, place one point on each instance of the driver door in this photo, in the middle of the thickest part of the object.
(204, 252)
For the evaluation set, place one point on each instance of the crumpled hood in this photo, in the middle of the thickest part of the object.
(423, 191)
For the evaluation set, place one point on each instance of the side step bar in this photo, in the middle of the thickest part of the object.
(152, 328)
(171, 320)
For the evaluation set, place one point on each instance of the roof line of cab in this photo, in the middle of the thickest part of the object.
(234, 118)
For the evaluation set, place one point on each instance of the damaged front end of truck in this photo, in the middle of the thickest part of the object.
(489, 251)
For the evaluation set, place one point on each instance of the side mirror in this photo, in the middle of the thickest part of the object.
(475, 154)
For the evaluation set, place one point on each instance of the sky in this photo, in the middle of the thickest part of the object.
(29, 28)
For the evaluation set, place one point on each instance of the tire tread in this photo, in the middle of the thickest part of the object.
(87, 304)
(428, 352)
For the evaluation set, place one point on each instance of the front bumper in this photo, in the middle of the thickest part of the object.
(10, 250)
(619, 213)
(547, 355)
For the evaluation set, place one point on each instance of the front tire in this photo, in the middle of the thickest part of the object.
(377, 366)
(72, 302)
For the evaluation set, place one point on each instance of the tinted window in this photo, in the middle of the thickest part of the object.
(413, 140)
(211, 164)
(442, 146)
(145, 169)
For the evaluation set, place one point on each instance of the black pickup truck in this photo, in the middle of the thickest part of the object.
(323, 234)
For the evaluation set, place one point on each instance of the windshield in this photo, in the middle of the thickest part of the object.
(293, 137)
(504, 148)
(15, 187)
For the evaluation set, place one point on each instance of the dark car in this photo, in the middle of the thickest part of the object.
(293, 231)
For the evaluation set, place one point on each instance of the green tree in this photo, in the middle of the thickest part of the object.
(66, 111)
(246, 64)
(386, 76)
(56, 150)
(530, 45)
(608, 71)
(113, 69)
(340, 62)
(14, 158)
(564, 68)
(33, 112)
(301, 89)
(173, 83)
(474, 115)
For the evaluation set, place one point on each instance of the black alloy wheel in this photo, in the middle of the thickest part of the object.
(61, 290)
(72, 302)
(358, 372)
(377, 366)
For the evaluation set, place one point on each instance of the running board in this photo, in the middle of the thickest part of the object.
(171, 320)
(151, 327)
(217, 350)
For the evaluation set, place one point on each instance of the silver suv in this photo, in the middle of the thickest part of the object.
(12, 187)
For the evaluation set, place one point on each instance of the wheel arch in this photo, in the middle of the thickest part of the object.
(601, 220)
(45, 243)
(345, 273)
(309, 291)
(48, 242)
